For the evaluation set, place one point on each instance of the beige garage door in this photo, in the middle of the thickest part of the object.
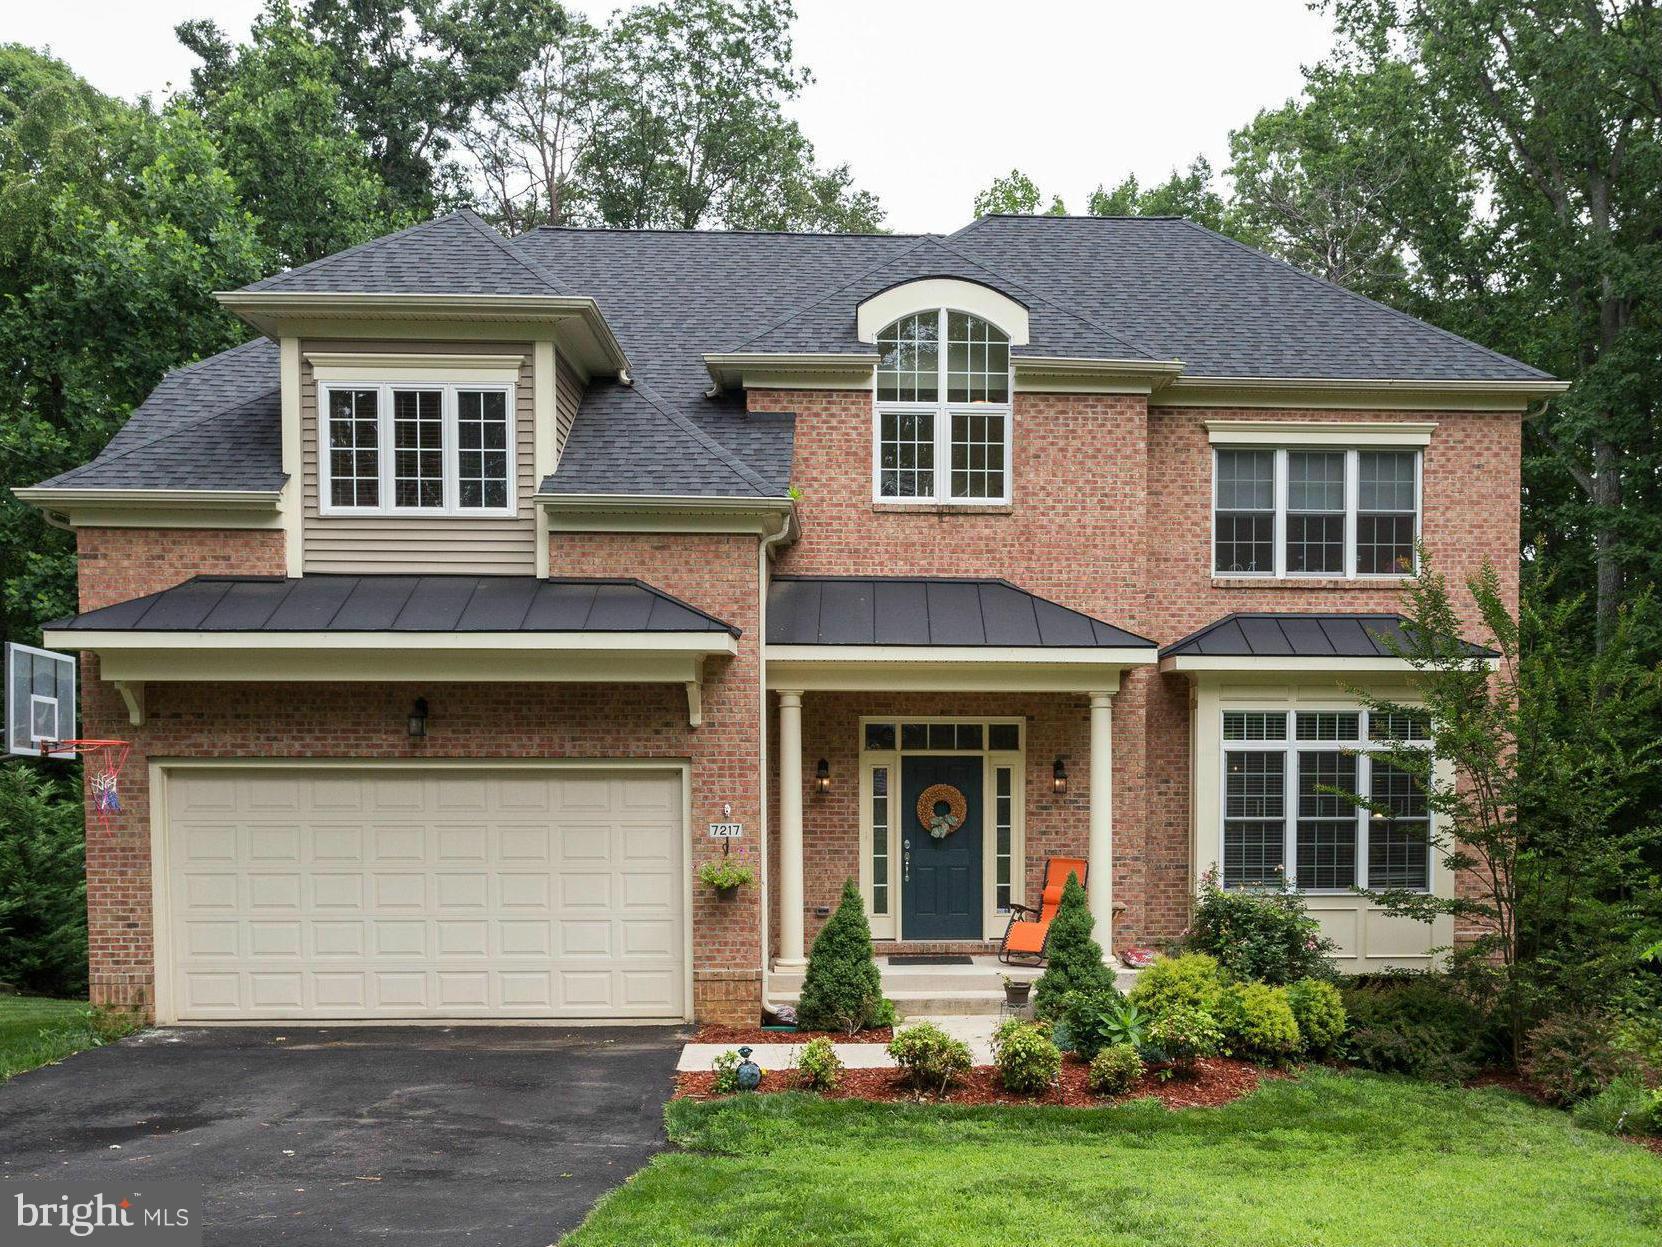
(401, 893)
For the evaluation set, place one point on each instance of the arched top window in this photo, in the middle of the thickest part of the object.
(943, 409)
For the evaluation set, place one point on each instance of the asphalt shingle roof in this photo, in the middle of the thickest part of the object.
(1287, 635)
(1156, 288)
(928, 610)
(329, 603)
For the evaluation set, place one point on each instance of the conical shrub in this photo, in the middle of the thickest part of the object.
(842, 990)
(1073, 958)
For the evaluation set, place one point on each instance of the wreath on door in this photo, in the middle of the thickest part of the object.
(940, 825)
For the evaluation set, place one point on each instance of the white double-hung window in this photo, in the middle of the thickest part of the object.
(1315, 511)
(1287, 821)
(416, 449)
(943, 410)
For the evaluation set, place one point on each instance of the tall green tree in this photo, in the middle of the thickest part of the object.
(117, 224)
(691, 96)
(1015, 194)
(1188, 193)
(277, 115)
(1559, 107)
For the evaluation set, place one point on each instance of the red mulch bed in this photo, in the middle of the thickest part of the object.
(1215, 1082)
(757, 1034)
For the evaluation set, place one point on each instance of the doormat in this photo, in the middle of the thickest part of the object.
(948, 959)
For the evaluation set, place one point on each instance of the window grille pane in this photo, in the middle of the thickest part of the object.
(1405, 727)
(482, 448)
(977, 455)
(908, 368)
(1386, 511)
(1246, 480)
(1329, 725)
(1244, 523)
(880, 736)
(914, 736)
(906, 454)
(418, 448)
(1316, 511)
(1004, 736)
(978, 362)
(1245, 542)
(1003, 821)
(1254, 725)
(354, 448)
(880, 840)
(1399, 845)
(1326, 822)
(969, 736)
(941, 736)
(1254, 827)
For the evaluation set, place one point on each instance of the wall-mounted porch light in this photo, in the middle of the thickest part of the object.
(418, 719)
(822, 776)
(1059, 776)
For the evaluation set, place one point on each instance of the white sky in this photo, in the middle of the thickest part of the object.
(928, 100)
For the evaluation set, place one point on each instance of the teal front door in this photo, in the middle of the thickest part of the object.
(940, 889)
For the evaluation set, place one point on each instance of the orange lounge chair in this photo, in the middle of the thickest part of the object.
(1029, 928)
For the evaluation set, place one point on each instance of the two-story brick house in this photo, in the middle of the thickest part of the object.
(448, 613)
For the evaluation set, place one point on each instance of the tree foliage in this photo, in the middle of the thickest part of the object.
(842, 988)
(43, 889)
(1073, 958)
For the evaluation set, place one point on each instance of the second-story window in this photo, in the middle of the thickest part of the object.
(1314, 511)
(416, 449)
(943, 410)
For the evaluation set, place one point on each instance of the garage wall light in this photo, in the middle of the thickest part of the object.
(418, 719)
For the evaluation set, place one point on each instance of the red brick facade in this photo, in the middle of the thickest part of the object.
(1110, 514)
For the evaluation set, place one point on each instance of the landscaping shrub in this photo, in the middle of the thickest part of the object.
(1183, 1035)
(1571, 1057)
(819, 1066)
(43, 889)
(1073, 958)
(842, 989)
(1028, 1060)
(726, 1067)
(1257, 1021)
(1626, 1106)
(1259, 935)
(1115, 1070)
(928, 1057)
(1414, 1024)
(1192, 981)
(1092, 1020)
(1319, 1010)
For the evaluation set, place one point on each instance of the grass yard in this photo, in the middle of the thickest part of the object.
(36, 1030)
(1324, 1159)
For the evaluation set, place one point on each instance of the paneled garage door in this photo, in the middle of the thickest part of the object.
(391, 892)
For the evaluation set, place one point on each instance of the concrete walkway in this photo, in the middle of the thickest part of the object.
(976, 1031)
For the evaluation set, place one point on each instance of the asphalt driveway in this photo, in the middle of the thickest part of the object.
(302, 1135)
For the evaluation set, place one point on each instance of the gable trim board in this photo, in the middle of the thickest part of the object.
(926, 294)
(1358, 393)
(1320, 432)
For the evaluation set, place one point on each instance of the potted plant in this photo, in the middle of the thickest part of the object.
(725, 875)
(1016, 991)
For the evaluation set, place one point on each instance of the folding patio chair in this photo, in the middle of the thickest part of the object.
(1029, 928)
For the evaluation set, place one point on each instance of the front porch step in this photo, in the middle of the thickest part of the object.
(964, 990)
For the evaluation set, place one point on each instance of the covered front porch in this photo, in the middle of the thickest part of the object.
(939, 771)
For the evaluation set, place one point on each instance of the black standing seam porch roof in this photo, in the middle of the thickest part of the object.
(926, 610)
(1290, 635)
(386, 603)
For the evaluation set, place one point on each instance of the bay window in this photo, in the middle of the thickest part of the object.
(1314, 511)
(416, 449)
(942, 430)
(1287, 821)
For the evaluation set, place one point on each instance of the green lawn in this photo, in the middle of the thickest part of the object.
(35, 1030)
(1325, 1159)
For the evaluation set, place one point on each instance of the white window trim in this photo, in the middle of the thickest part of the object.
(943, 411)
(1353, 493)
(1290, 748)
(452, 507)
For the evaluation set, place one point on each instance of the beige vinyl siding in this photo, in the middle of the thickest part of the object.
(568, 396)
(499, 545)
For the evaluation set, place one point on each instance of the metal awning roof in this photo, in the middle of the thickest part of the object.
(1270, 640)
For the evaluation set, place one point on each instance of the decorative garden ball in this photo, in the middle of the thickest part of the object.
(749, 1073)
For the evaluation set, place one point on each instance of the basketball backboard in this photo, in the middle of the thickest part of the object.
(40, 699)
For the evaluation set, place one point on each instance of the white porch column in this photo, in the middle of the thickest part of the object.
(1099, 889)
(790, 832)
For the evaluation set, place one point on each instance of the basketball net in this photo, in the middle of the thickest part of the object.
(104, 760)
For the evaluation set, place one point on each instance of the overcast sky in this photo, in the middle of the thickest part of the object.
(927, 100)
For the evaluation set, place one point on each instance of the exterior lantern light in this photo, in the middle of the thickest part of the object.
(822, 776)
(1059, 776)
(418, 719)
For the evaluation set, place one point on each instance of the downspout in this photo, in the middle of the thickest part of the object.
(764, 554)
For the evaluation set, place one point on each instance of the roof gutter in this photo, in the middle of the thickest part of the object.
(1358, 392)
(772, 518)
(70, 507)
(806, 369)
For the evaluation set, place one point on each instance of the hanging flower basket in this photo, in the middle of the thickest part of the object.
(725, 875)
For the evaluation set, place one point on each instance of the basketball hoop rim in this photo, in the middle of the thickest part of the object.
(80, 745)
